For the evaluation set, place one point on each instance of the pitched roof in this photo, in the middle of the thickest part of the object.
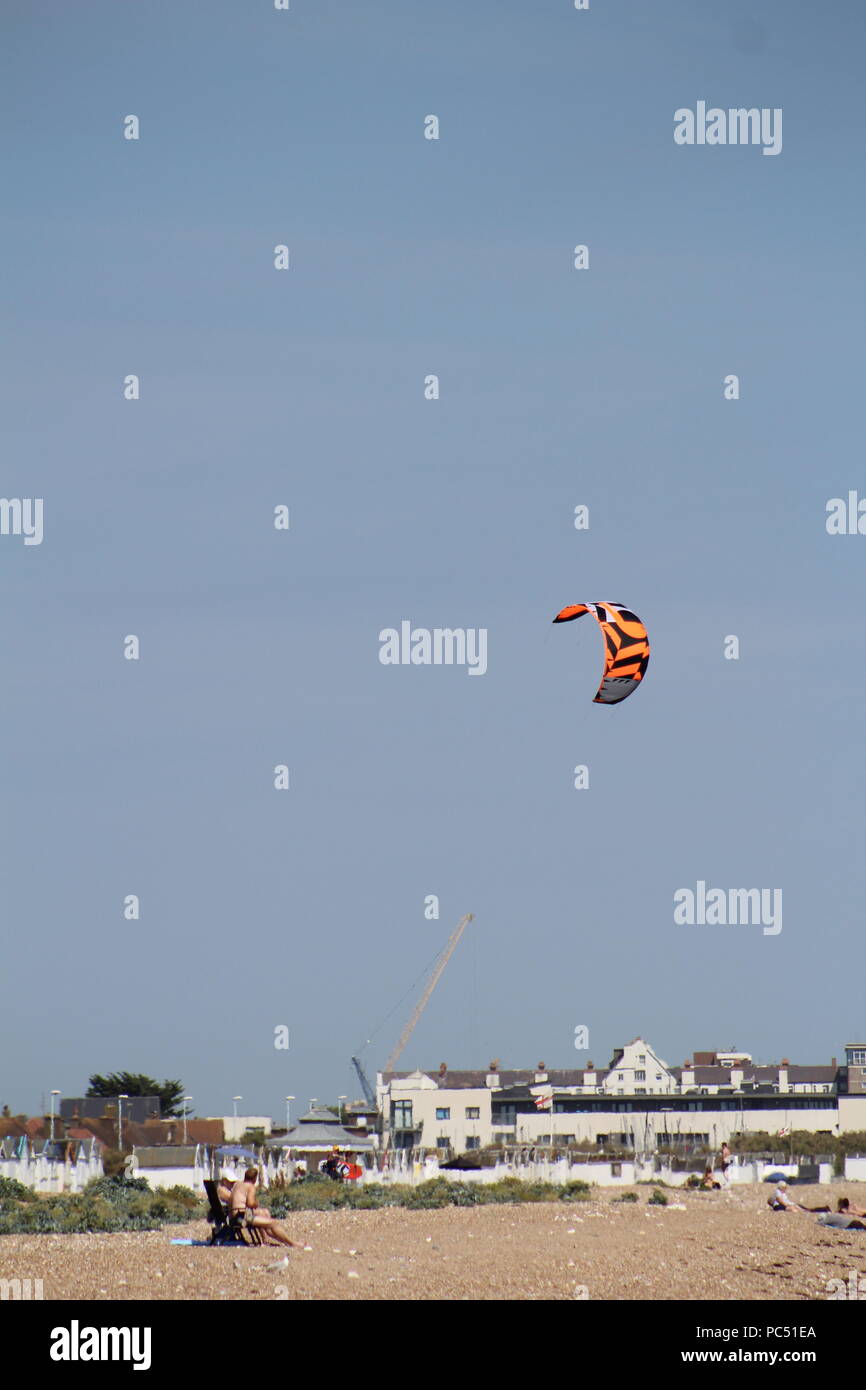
(324, 1136)
(477, 1080)
(823, 1075)
(152, 1134)
(85, 1134)
(12, 1127)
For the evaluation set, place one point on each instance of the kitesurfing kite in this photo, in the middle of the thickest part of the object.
(626, 648)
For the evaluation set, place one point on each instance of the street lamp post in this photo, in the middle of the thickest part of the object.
(185, 1099)
(340, 1100)
(53, 1094)
(289, 1100)
(120, 1100)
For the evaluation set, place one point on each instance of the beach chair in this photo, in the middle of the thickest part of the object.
(227, 1229)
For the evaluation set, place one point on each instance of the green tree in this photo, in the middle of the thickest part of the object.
(128, 1083)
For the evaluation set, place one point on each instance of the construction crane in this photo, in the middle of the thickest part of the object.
(428, 989)
(369, 1093)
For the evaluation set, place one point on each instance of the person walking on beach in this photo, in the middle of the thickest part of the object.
(725, 1163)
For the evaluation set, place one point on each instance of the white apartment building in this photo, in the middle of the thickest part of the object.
(637, 1102)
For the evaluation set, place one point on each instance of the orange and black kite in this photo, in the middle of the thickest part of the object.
(626, 648)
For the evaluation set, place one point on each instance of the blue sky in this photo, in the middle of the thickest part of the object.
(558, 387)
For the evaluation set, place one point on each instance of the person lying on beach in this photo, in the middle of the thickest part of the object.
(841, 1221)
(708, 1181)
(845, 1208)
(243, 1202)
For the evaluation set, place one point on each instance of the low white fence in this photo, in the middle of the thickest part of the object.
(44, 1174)
(400, 1168)
(52, 1175)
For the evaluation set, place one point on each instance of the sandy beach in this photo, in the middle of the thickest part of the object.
(723, 1245)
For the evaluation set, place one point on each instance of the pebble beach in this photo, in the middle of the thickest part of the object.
(719, 1245)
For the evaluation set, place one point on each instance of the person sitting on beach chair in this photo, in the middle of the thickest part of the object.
(254, 1218)
(225, 1183)
(224, 1191)
(226, 1229)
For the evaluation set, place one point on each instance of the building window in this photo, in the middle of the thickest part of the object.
(443, 1142)
(443, 1113)
(401, 1114)
(640, 1076)
(473, 1112)
(642, 1058)
(857, 1057)
(473, 1142)
(640, 1090)
(505, 1115)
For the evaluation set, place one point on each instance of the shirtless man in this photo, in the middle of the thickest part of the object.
(725, 1163)
(224, 1192)
(243, 1201)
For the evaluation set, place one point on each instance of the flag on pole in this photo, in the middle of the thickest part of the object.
(542, 1102)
